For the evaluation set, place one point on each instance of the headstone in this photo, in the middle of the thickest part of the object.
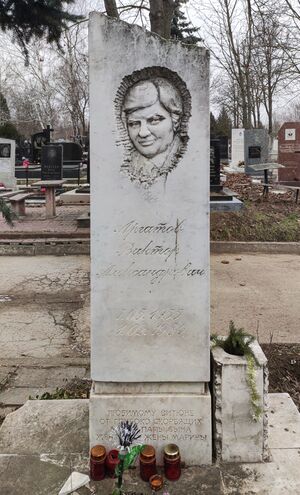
(7, 162)
(51, 162)
(149, 142)
(256, 144)
(215, 165)
(273, 155)
(72, 159)
(223, 147)
(237, 147)
(289, 151)
(72, 151)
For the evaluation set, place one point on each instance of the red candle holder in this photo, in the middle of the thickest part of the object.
(147, 462)
(112, 460)
(172, 466)
(97, 462)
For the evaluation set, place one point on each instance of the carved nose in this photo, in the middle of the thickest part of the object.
(144, 131)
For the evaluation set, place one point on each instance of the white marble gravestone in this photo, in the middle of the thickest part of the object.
(149, 142)
(7, 162)
(237, 147)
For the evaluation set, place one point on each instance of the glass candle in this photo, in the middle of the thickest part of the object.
(147, 462)
(111, 462)
(172, 462)
(97, 462)
(156, 482)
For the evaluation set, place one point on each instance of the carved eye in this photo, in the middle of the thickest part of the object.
(133, 123)
(156, 119)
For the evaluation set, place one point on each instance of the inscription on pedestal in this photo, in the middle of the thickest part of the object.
(163, 419)
(170, 425)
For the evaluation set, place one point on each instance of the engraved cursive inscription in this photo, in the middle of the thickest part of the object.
(134, 227)
(142, 322)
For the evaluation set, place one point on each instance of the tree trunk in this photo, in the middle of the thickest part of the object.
(161, 14)
(270, 114)
(111, 8)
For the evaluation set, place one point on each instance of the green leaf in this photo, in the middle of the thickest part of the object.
(131, 456)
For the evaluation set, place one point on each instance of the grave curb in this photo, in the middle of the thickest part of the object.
(72, 246)
(37, 247)
(237, 247)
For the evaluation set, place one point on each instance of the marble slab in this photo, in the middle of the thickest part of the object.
(149, 206)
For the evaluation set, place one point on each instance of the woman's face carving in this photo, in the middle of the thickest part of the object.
(150, 129)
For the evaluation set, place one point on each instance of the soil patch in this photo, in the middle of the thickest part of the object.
(275, 219)
(284, 369)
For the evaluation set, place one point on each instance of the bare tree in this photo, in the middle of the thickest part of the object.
(249, 39)
(271, 67)
(111, 8)
(72, 78)
(160, 12)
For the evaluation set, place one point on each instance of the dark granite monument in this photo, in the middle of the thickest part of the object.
(256, 149)
(52, 162)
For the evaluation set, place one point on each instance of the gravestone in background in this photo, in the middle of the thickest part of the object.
(149, 140)
(223, 147)
(52, 162)
(256, 142)
(237, 147)
(289, 152)
(215, 165)
(273, 155)
(7, 162)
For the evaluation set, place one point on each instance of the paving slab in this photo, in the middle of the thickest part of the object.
(46, 426)
(5, 373)
(259, 292)
(279, 477)
(36, 224)
(29, 475)
(31, 382)
(18, 396)
(48, 377)
(284, 423)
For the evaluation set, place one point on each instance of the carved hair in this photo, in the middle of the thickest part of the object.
(145, 93)
(143, 88)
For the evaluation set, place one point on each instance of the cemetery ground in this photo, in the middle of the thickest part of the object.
(44, 334)
(275, 219)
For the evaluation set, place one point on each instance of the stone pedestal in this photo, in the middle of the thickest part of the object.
(150, 245)
(238, 436)
(181, 417)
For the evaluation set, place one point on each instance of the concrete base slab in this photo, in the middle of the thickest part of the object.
(233, 205)
(44, 441)
(46, 427)
(284, 423)
(71, 197)
(47, 377)
(32, 382)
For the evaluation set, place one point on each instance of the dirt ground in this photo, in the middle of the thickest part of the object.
(284, 369)
(276, 218)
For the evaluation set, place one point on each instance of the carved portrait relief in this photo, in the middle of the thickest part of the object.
(153, 107)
